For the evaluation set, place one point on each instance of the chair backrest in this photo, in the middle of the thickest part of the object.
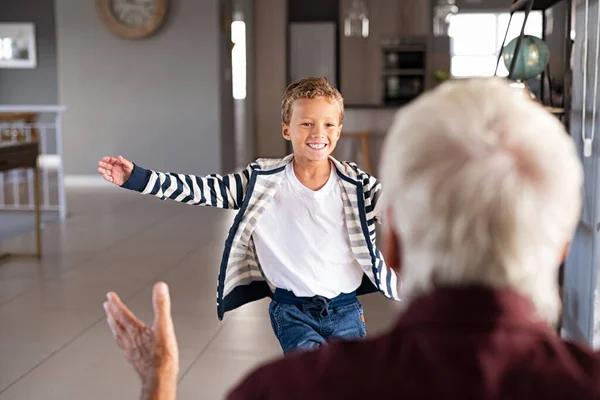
(18, 126)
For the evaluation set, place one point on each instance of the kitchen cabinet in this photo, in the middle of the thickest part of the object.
(361, 59)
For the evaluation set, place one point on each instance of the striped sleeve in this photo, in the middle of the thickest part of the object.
(376, 204)
(214, 190)
(386, 278)
(372, 194)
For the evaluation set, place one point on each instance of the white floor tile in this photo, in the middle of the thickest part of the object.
(54, 342)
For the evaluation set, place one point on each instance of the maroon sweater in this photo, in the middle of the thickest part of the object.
(453, 344)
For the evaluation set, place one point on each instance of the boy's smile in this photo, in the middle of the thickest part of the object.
(314, 128)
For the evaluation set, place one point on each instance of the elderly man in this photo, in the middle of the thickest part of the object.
(482, 197)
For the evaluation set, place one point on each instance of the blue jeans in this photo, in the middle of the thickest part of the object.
(303, 323)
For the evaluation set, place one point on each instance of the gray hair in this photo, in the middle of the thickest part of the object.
(484, 187)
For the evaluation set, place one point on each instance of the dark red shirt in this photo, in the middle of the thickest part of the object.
(453, 344)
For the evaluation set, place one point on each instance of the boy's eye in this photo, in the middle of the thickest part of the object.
(307, 124)
(330, 125)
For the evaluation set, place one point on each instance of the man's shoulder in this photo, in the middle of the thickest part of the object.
(334, 364)
(584, 356)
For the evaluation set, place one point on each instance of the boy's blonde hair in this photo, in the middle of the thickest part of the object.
(309, 88)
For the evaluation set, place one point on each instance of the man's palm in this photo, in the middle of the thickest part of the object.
(147, 349)
(115, 170)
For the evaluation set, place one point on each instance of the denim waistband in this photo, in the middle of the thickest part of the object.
(288, 297)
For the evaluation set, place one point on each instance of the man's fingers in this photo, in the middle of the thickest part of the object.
(114, 327)
(115, 300)
(122, 314)
(163, 322)
(113, 319)
(118, 331)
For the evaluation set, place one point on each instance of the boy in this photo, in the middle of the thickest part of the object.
(304, 234)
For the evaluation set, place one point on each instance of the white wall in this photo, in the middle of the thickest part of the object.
(155, 101)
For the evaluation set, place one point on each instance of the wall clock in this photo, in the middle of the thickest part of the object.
(132, 19)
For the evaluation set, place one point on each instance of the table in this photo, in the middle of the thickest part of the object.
(15, 155)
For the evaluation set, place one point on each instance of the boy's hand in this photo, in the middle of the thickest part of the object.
(115, 170)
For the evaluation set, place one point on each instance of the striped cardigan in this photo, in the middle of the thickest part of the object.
(240, 278)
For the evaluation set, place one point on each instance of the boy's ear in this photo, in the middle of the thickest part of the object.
(285, 131)
(340, 132)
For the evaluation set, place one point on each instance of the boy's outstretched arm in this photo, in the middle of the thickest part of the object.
(214, 190)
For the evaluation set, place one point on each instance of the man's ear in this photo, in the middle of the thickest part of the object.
(285, 131)
(392, 247)
(565, 252)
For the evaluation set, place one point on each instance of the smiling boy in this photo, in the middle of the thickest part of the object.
(304, 234)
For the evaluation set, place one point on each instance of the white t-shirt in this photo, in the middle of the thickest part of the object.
(302, 242)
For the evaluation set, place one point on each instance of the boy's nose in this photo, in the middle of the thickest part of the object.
(317, 131)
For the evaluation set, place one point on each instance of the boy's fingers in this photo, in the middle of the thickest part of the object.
(104, 171)
(105, 165)
(125, 162)
(110, 160)
(105, 176)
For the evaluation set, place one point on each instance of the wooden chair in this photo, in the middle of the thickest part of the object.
(20, 149)
(14, 126)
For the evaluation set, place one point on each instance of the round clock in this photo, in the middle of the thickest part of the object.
(132, 19)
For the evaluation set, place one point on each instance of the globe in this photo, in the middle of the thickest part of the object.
(532, 58)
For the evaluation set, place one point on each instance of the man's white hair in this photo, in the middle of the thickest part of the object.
(484, 188)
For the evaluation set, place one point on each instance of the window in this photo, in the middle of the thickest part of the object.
(476, 39)
(6, 49)
(238, 59)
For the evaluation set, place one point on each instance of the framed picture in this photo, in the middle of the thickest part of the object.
(17, 45)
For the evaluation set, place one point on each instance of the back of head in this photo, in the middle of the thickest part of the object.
(484, 188)
(309, 88)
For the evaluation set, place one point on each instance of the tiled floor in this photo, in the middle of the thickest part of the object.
(54, 342)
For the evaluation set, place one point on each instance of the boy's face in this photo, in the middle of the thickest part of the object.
(314, 128)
